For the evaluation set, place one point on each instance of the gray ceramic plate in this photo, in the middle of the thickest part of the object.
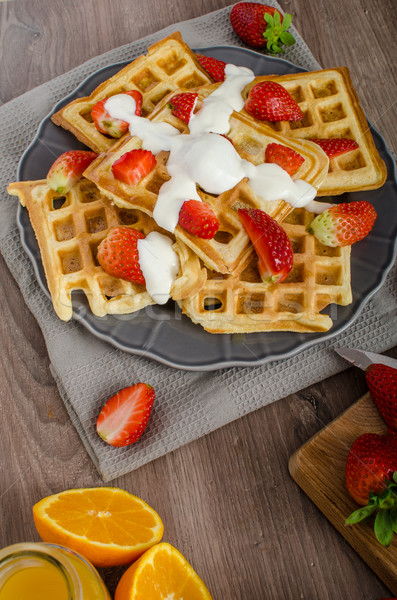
(163, 333)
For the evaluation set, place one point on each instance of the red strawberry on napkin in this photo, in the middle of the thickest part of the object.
(125, 415)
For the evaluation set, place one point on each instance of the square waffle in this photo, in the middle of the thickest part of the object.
(331, 109)
(231, 244)
(242, 303)
(69, 230)
(168, 65)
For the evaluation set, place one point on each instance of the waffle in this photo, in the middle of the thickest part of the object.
(331, 108)
(167, 66)
(242, 303)
(231, 244)
(70, 228)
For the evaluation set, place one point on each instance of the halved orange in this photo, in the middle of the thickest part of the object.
(107, 525)
(162, 573)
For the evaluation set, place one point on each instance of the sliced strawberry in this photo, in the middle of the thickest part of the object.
(271, 244)
(118, 254)
(133, 166)
(213, 66)
(336, 146)
(106, 124)
(125, 415)
(285, 157)
(269, 101)
(68, 169)
(198, 219)
(182, 105)
(344, 224)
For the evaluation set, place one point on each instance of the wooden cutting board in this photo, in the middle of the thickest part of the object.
(318, 467)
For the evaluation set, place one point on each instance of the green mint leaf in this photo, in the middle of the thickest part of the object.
(383, 527)
(393, 515)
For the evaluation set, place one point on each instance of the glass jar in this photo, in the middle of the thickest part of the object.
(38, 571)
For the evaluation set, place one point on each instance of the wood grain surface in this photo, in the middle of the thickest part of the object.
(319, 468)
(227, 500)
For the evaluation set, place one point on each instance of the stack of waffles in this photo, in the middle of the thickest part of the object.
(218, 285)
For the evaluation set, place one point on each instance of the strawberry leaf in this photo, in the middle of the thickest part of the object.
(277, 20)
(286, 21)
(268, 18)
(359, 515)
(383, 527)
(287, 38)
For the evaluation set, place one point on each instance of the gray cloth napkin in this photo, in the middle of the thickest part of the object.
(87, 371)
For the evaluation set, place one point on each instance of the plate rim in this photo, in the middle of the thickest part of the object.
(221, 363)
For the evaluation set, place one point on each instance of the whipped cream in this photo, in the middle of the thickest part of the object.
(204, 158)
(159, 264)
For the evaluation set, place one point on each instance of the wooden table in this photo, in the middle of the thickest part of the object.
(227, 500)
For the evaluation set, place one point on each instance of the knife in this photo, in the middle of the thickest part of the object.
(363, 359)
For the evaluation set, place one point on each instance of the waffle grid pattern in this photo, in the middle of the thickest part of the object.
(331, 109)
(242, 303)
(168, 65)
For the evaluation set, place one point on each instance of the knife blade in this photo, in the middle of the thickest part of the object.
(363, 359)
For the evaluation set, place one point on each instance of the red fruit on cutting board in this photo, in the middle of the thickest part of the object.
(382, 383)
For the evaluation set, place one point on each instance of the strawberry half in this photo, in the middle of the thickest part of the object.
(182, 105)
(371, 480)
(285, 157)
(68, 169)
(271, 244)
(344, 224)
(198, 219)
(133, 166)
(108, 125)
(336, 146)
(269, 101)
(382, 383)
(259, 25)
(125, 415)
(213, 66)
(118, 254)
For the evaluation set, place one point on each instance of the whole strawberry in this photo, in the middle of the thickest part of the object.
(382, 383)
(259, 25)
(371, 479)
(269, 101)
(344, 224)
(271, 243)
(118, 254)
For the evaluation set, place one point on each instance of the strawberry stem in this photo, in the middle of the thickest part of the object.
(276, 34)
(385, 507)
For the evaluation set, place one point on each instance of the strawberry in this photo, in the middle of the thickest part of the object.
(182, 105)
(336, 146)
(198, 219)
(371, 479)
(125, 415)
(133, 166)
(259, 25)
(269, 101)
(285, 157)
(118, 254)
(106, 124)
(68, 169)
(271, 244)
(344, 224)
(214, 67)
(382, 383)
